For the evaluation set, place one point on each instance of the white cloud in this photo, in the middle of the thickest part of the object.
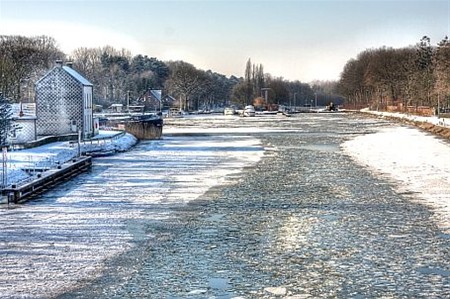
(70, 36)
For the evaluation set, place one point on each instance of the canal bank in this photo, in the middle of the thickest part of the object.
(26, 166)
(433, 124)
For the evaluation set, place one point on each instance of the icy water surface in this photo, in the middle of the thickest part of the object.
(305, 221)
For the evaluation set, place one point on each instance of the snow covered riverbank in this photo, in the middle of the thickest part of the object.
(438, 121)
(418, 161)
(52, 154)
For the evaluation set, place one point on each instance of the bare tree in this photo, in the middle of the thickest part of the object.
(424, 75)
(183, 81)
(442, 72)
(23, 60)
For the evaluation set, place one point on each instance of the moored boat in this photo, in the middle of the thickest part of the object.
(249, 111)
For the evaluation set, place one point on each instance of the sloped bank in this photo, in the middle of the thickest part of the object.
(439, 130)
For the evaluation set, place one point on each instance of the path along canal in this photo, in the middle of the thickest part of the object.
(302, 221)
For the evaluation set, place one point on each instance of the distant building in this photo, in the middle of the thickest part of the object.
(169, 101)
(64, 103)
(116, 108)
(24, 123)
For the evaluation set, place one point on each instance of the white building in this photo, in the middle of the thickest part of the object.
(64, 103)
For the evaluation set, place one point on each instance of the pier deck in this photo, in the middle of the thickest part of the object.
(47, 179)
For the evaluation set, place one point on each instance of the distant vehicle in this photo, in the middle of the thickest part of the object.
(229, 111)
(249, 111)
(332, 107)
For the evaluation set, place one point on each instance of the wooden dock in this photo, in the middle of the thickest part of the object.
(47, 179)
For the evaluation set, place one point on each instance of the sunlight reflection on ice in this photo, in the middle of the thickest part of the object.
(66, 236)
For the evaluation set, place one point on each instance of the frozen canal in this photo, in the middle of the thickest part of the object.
(311, 206)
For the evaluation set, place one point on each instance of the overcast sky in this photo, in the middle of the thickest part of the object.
(297, 39)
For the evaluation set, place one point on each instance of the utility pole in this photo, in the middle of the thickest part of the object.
(438, 105)
(266, 89)
(128, 101)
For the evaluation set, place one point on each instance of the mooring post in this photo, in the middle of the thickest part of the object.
(79, 143)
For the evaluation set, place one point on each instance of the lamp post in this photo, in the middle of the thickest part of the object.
(79, 143)
(4, 167)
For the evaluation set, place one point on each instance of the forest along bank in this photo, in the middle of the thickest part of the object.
(306, 221)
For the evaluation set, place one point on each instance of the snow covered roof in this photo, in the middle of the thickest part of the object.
(77, 76)
(156, 94)
(73, 73)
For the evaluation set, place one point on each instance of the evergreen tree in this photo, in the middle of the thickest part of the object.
(248, 82)
(6, 125)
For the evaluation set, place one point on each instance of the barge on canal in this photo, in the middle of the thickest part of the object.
(143, 127)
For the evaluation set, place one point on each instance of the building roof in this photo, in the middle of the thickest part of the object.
(156, 93)
(73, 73)
(77, 76)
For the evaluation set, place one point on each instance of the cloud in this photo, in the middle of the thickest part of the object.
(71, 36)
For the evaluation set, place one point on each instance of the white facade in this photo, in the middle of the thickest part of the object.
(24, 122)
(64, 103)
(88, 112)
(25, 131)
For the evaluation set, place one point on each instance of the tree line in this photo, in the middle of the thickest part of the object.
(117, 76)
(120, 77)
(268, 90)
(22, 61)
(416, 75)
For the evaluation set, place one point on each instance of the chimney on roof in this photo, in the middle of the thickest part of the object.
(70, 64)
(58, 63)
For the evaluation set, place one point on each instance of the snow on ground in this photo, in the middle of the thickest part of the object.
(417, 160)
(52, 154)
(438, 121)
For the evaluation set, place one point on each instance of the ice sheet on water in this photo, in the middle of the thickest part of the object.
(49, 245)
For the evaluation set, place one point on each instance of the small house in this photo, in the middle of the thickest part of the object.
(64, 103)
(24, 123)
(116, 108)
